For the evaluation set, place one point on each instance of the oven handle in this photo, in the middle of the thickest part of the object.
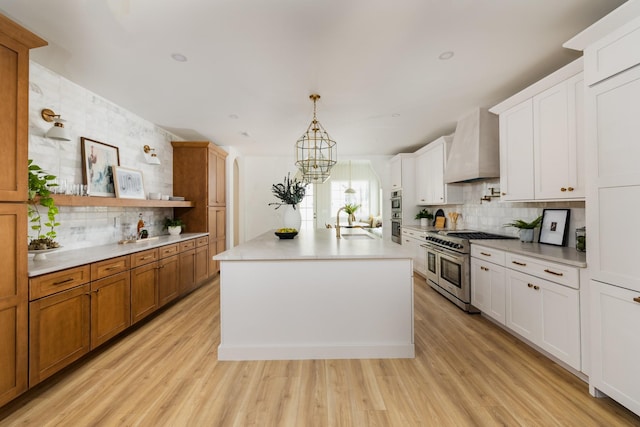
(442, 251)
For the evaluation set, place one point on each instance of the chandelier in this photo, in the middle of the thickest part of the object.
(316, 152)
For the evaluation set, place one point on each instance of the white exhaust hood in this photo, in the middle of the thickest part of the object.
(475, 152)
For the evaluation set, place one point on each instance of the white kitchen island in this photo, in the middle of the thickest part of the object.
(316, 297)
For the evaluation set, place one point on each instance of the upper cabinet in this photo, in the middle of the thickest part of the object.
(402, 171)
(430, 163)
(542, 141)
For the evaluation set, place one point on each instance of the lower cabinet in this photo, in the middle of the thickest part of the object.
(110, 307)
(414, 240)
(144, 291)
(616, 343)
(202, 261)
(187, 269)
(168, 279)
(488, 293)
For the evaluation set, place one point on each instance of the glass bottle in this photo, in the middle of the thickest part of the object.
(581, 239)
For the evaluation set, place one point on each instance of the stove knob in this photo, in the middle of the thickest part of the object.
(458, 246)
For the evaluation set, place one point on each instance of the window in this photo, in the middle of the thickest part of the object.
(307, 211)
(361, 197)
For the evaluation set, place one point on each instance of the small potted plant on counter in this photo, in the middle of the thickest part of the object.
(39, 194)
(174, 226)
(350, 209)
(424, 216)
(526, 228)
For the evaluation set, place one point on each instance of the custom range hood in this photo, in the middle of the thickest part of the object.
(474, 151)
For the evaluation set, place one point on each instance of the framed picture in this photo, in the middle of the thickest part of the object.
(128, 183)
(98, 159)
(555, 227)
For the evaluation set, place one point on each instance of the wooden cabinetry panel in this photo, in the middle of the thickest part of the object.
(49, 284)
(144, 257)
(187, 271)
(168, 250)
(109, 267)
(187, 245)
(144, 291)
(202, 263)
(110, 307)
(168, 279)
(58, 332)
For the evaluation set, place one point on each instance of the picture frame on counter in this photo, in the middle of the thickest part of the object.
(98, 160)
(554, 229)
(129, 183)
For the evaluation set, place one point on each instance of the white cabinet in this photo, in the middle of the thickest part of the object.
(403, 173)
(542, 140)
(488, 291)
(430, 164)
(414, 240)
(545, 313)
(558, 141)
(616, 343)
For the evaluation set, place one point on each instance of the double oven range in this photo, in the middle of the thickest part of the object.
(449, 263)
(396, 215)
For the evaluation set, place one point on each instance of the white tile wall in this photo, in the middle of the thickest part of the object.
(89, 115)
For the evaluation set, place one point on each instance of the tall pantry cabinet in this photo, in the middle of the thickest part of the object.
(15, 43)
(199, 175)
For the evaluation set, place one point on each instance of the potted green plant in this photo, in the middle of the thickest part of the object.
(424, 216)
(526, 228)
(174, 226)
(39, 195)
(290, 192)
(350, 209)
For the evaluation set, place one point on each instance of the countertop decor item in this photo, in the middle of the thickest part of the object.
(350, 209)
(129, 183)
(174, 225)
(526, 228)
(555, 226)
(289, 192)
(98, 160)
(424, 216)
(286, 233)
(39, 194)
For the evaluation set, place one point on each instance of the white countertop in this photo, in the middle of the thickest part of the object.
(315, 244)
(560, 254)
(61, 260)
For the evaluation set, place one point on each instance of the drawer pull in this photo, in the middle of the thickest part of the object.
(146, 257)
(485, 254)
(115, 267)
(637, 299)
(536, 287)
(521, 264)
(553, 272)
(70, 279)
(529, 285)
(484, 268)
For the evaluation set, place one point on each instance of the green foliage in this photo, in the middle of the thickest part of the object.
(424, 214)
(176, 222)
(351, 208)
(39, 195)
(289, 192)
(518, 223)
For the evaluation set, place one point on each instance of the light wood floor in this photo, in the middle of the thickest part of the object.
(467, 372)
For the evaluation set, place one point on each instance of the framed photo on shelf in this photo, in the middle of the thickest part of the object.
(129, 183)
(98, 160)
(555, 227)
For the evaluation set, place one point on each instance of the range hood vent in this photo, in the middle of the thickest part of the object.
(475, 152)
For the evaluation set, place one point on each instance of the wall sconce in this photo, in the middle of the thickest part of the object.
(57, 131)
(150, 155)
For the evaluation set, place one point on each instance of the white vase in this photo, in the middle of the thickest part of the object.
(424, 222)
(291, 217)
(174, 231)
(526, 235)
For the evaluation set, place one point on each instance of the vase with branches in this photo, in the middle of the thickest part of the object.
(289, 192)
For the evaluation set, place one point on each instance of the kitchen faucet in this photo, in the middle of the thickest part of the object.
(338, 222)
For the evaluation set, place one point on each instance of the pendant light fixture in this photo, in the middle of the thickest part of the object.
(349, 193)
(316, 152)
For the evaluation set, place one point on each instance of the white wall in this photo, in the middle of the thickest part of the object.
(89, 115)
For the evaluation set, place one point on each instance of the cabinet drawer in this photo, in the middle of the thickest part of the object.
(52, 283)
(558, 273)
(495, 256)
(188, 244)
(414, 234)
(202, 241)
(110, 266)
(167, 251)
(144, 257)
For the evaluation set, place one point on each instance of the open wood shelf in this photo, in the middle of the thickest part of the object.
(65, 200)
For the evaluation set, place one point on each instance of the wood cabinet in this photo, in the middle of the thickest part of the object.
(202, 162)
(15, 42)
(144, 291)
(168, 279)
(202, 259)
(488, 287)
(542, 154)
(187, 270)
(414, 240)
(110, 307)
(430, 165)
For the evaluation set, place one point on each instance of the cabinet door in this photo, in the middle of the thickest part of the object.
(422, 178)
(488, 289)
(202, 263)
(216, 178)
(110, 307)
(168, 280)
(187, 271)
(396, 173)
(144, 291)
(523, 306)
(59, 332)
(13, 301)
(435, 179)
(516, 152)
(615, 343)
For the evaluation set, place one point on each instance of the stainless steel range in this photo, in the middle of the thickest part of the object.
(449, 265)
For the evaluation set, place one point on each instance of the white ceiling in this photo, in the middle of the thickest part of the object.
(253, 63)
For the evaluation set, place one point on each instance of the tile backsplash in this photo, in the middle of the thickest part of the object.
(491, 216)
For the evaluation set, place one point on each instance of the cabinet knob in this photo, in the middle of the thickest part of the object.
(637, 299)
(504, 194)
(570, 188)
(529, 285)
(563, 189)
(536, 287)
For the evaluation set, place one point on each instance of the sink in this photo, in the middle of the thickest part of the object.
(356, 236)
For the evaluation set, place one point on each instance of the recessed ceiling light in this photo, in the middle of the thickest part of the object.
(245, 134)
(395, 115)
(233, 116)
(179, 57)
(446, 55)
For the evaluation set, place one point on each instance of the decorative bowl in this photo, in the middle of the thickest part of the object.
(290, 235)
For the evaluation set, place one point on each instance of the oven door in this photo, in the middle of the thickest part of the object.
(433, 271)
(396, 226)
(396, 203)
(453, 274)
